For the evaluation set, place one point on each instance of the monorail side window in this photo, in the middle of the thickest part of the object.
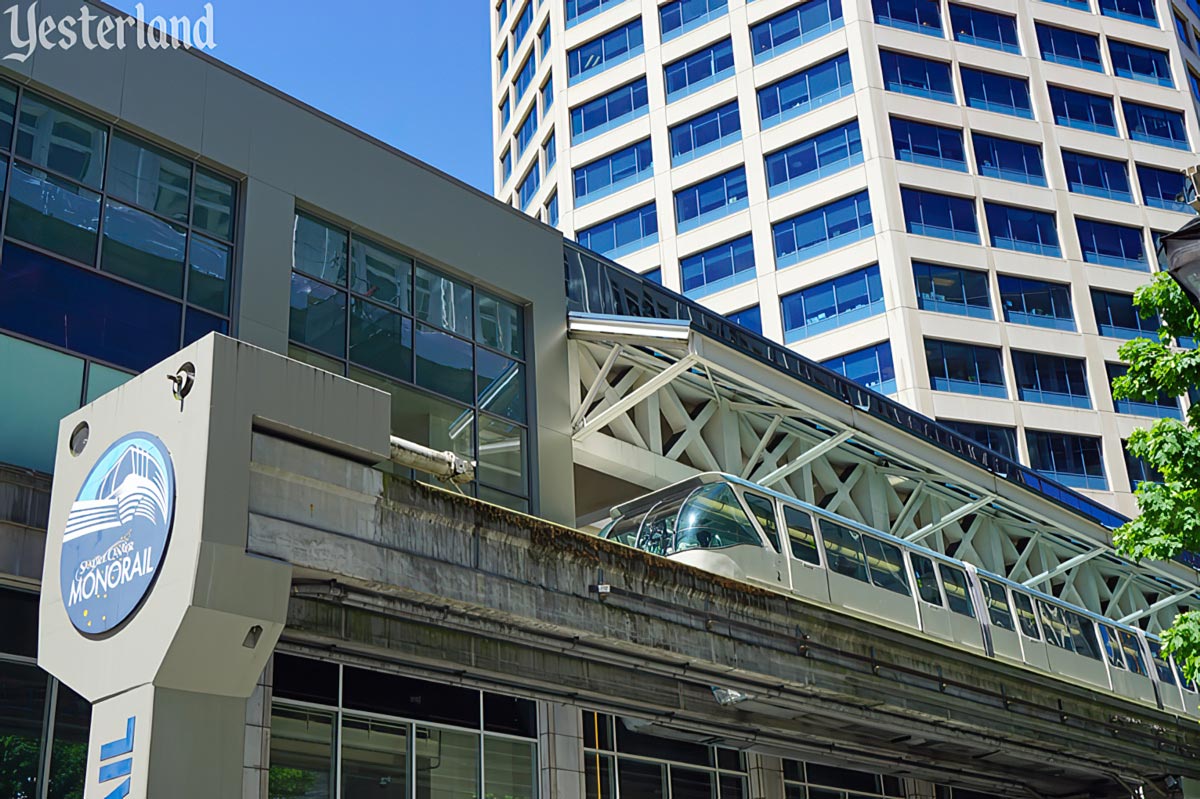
(1133, 653)
(1187, 684)
(1057, 633)
(1025, 616)
(1112, 647)
(801, 535)
(954, 581)
(1083, 632)
(926, 577)
(843, 550)
(1161, 664)
(764, 513)
(886, 564)
(997, 603)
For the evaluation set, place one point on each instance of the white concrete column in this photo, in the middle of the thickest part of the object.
(560, 751)
(766, 776)
(257, 764)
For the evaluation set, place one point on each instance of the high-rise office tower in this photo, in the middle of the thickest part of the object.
(951, 202)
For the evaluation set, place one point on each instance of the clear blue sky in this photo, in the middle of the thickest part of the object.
(414, 73)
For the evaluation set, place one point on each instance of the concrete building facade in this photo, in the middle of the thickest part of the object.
(950, 202)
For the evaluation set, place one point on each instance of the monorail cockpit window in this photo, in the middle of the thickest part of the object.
(1112, 647)
(954, 581)
(1133, 653)
(997, 603)
(843, 550)
(1025, 615)
(1161, 665)
(657, 535)
(764, 513)
(926, 576)
(801, 535)
(886, 563)
(712, 518)
(624, 531)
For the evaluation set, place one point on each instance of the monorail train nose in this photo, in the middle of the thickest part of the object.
(711, 561)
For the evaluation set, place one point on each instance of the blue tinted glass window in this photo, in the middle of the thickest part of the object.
(544, 39)
(505, 165)
(1069, 47)
(1181, 28)
(529, 186)
(525, 132)
(812, 159)
(679, 16)
(816, 86)
(794, 27)
(505, 111)
(965, 368)
(699, 70)
(984, 28)
(1141, 11)
(815, 232)
(1075, 109)
(609, 111)
(920, 77)
(1035, 302)
(1112, 245)
(921, 16)
(1140, 63)
(654, 275)
(1164, 188)
(501, 13)
(1022, 229)
(718, 268)
(623, 234)
(749, 318)
(523, 22)
(870, 367)
(1162, 126)
(991, 91)
(604, 51)
(547, 95)
(1081, 5)
(1162, 407)
(1053, 379)
(50, 387)
(503, 59)
(1139, 471)
(1099, 177)
(947, 289)
(579, 10)
(53, 213)
(939, 215)
(705, 133)
(832, 304)
(1075, 461)
(1001, 439)
(931, 145)
(550, 148)
(1007, 159)
(524, 76)
(79, 309)
(613, 172)
(1118, 317)
(712, 199)
(552, 211)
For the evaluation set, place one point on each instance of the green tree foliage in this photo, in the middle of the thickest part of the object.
(1170, 511)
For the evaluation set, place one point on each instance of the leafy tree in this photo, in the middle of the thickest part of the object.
(1170, 511)
(288, 783)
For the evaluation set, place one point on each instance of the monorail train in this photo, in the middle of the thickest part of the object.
(743, 531)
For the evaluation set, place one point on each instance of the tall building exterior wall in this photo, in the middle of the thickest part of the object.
(859, 180)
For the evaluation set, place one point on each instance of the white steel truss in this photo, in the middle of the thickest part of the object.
(655, 402)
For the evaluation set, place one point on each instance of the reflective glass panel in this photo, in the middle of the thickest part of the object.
(381, 274)
(926, 577)
(443, 301)
(501, 385)
(764, 513)
(53, 214)
(214, 205)
(444, 363)
(319, 250)
(997, 603)
(31, 407)
(843, 550)
(22, 706)
(499, 324)
(68, 757)
(143, 248)
(801, 535)
(8, 110)
(425, 419)
(886, 564)
(509, 769)
(640, 779)
(197, 325)
(446, 764)
(1025, 616)
(208, 274)
(101, 380)
(380, 339)
(374, 760)
(502, 455)
(318, 315)
(301, 754)
(954, 582)
(148, 177)
(61, 140)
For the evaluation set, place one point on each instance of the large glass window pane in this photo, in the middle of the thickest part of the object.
(501, 385)
(22, 707)
(509, 770)
(499, 324)
(380, 339)
(79, 309)
(381, 274)
(640, 779)
(444, 363)
(197, 325)
(208, 274)
(446, 764)
(148, 177)
(50, 387)
(443, 301)
(214, 207)
(19, 609)
(68, 757)
(687, 783)
(319, 250)
(374, 760)
(318, 316)
(101, 380)
(53, 214)
(143, 248)
(598, 776)
(301, 754)
(8, 112)
(61, 140)
(425, 419)
(502, 455)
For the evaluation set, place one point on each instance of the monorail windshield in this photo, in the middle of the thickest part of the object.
(705, 517)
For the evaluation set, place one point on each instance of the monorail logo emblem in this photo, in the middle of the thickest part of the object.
(117, 533)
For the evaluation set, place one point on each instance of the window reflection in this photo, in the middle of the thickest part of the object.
(53, 214)
(22, 706)
(318, 315)
(143, 248)
(499, 325)
(208, 274)
(381, 339)
(501, 385)
(380, 274)
(502, 454)
(301, 753)
(214, 205)
(444, 363)
(319, 250)
(446, 763)
(68, 758)
(61, 140)
(443, 301)
(374, 760)
(148, 177)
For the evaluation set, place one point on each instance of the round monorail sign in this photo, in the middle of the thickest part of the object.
(117, 533)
